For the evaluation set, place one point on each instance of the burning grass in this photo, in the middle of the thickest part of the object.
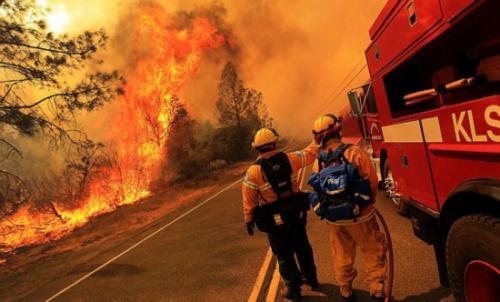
(110, 229)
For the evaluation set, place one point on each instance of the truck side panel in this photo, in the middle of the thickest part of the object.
(409, 163)
(452, 8)
(470, 137)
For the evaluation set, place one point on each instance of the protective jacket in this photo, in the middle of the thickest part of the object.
(258, 191)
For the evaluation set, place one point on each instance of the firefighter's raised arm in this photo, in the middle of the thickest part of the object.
(305, 157)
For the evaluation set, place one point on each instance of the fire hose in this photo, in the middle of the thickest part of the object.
(390, 257)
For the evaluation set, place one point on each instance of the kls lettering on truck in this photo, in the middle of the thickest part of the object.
(491, 118)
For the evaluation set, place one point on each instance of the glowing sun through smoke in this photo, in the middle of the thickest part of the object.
(58, 17)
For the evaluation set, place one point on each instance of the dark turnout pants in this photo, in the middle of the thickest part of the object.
(286, 242)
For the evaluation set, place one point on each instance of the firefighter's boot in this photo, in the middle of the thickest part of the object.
(377, 298)
(313, 284)
(293, 295)
(346, 294)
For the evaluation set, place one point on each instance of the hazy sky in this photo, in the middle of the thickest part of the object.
(295, 52)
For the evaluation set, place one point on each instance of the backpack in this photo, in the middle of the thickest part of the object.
(278, 172)
(339, 191)
(290, 206)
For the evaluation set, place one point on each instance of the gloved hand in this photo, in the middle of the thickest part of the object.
(250, 227)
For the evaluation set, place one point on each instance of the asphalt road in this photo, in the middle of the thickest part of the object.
(206, 256)
(415, 272)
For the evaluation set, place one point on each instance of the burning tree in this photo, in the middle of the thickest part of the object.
(167, 56)
(35, 97)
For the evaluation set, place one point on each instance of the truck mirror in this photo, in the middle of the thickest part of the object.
(355, 102)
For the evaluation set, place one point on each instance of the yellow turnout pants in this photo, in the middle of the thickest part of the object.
(344, 239)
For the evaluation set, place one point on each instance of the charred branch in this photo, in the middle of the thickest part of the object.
(11, 148)
(81, 53)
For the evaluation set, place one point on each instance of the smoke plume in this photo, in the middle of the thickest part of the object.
(295, 52)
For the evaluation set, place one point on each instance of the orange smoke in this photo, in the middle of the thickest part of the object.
(166, 58)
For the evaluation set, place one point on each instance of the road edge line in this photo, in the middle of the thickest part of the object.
(273, 287)
(141, 241)
(259, 282)
(153, 234)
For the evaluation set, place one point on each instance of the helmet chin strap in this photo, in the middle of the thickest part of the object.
(266, 148)
(332, 134)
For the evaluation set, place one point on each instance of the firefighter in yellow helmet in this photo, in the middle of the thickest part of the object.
(360, 227)
(272, 201)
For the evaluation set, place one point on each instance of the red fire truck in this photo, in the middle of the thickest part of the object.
(431, 112)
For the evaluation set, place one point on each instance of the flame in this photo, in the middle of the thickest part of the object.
(141, 128)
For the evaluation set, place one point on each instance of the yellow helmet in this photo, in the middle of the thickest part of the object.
(325, 127)
(323, 123)
(265, 138)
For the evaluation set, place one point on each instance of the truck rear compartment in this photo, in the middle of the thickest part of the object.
(460, 65)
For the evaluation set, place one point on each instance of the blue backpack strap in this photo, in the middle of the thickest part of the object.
(326, 157)
(339, 152)
(321, 161)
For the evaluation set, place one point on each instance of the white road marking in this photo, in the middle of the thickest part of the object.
(141, 241)
(261, 277)
(272, 293)
(259, 282)
(153, 234)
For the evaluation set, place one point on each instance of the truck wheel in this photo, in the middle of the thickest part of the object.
(473, 242)
(389, 189)
(381, 183)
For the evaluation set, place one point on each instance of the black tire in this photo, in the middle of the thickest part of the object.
(381, 185)
(385, 169)
(383, 161)
(403, 209)
(473, 237)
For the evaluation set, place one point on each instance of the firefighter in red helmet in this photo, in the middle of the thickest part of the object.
(359, 227)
